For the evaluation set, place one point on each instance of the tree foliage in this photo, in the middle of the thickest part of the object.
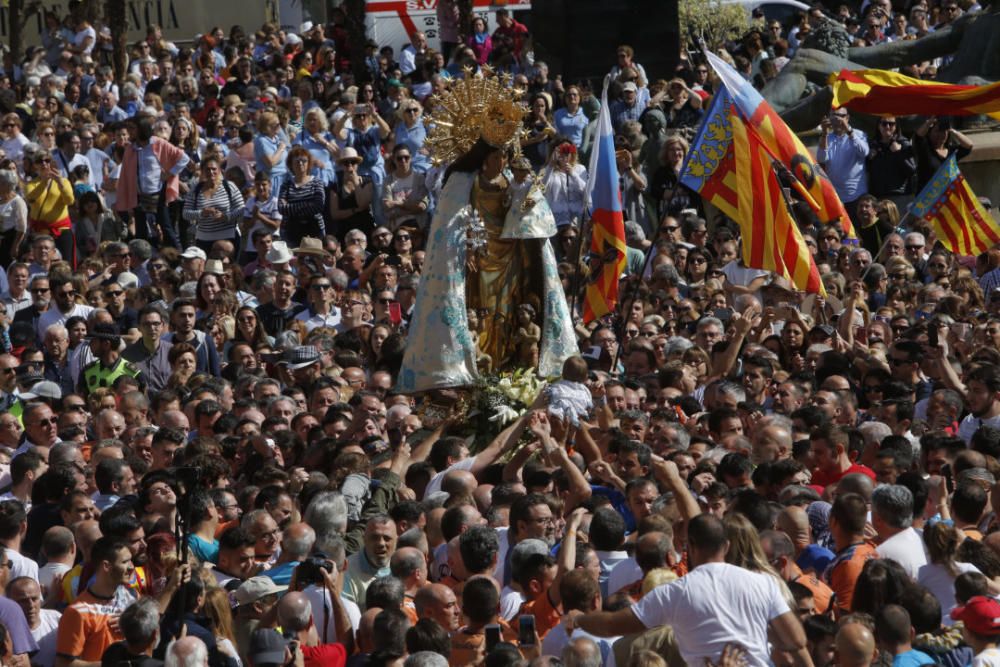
(713, 21)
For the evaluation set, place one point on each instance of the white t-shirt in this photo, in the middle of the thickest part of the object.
(501, 569)
(625, 574)
(22, 566)
(45, 636)
(938, 581)
(50, 571)
(988, 658)
(510, 603)
(714, 605)
(54, 316)
(907, 549)
(318, 596)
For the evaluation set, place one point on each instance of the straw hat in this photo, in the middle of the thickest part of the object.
(349, 155)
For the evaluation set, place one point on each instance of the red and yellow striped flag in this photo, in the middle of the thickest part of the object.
(959, 220)
(771, 239)
(731, 166)
(881, 92)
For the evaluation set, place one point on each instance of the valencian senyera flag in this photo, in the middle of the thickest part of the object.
(607, 244)
(880, 92)
(731, 166)
(958, 218)
(779, 139)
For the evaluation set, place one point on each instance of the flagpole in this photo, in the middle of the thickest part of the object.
(577, 269)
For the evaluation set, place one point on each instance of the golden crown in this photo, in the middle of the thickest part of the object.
(480, 106)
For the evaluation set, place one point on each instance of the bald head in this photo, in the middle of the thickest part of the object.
(86, 534)
(652, 551)
(294, 612)
(438, 603)
(855, 646)
(175, 419)
(857, 483)
(582, 652)
(297, 542)
(409, 566)
(189, 651)
(794, 522)
(459, 482)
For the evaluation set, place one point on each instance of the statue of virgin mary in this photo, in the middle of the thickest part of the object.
(488, 249)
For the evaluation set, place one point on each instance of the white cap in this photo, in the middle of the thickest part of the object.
(194, 252)
(128, 280)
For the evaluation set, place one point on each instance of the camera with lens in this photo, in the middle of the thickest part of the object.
(309, 570)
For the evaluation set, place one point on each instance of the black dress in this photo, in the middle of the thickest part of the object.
(361, 219)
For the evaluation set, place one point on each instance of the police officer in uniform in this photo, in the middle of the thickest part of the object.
(105, 343)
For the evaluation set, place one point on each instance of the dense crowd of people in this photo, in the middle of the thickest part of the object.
(209, 267)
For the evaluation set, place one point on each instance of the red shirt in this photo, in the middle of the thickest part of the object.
(325, 655)
(516, 34)
(820, 478)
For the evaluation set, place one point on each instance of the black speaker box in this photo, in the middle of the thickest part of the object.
(578, 38)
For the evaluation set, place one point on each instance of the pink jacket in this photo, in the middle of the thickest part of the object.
(128, 183)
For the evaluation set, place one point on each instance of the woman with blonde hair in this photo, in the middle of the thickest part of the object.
(667, 194)
(899, 270)
(746, 551)
(220, 620)
(316, 138)
(270, 149)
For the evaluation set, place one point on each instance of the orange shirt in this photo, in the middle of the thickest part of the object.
(85, 627)
(822, 594)
(843, 572)
(546, 616)
(466, 644)
(410, 609)
(224, 526)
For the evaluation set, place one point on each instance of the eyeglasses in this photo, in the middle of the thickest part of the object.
(697, 260)
(115, 293)
(914, 247)
(402, 157)
(39, 290)
(51, 421)
(413, 110)
(247, 318)
(887, 123)
(319, 286)
(69, 293)
(403, 237)
(668, 230)
(386, 302)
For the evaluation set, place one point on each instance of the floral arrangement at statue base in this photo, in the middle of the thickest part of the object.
(496, 400)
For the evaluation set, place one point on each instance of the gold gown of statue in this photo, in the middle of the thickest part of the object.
(509, 274)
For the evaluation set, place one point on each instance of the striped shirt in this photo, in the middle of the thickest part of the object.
(227, 199)
(303, 205)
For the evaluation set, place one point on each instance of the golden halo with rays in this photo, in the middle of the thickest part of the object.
(479, 106)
